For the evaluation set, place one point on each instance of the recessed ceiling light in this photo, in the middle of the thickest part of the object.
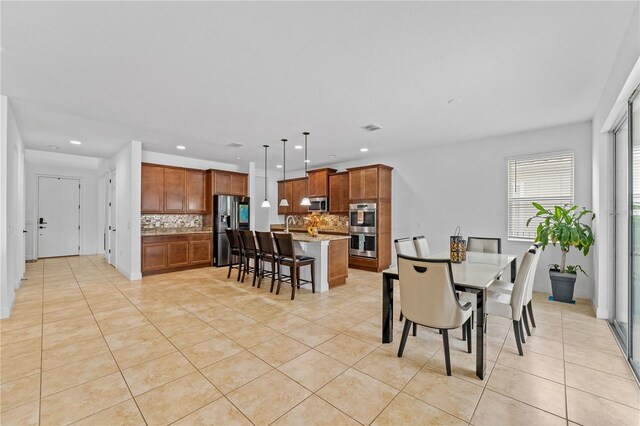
(238, 158)
(279, 166)
(53, 147)
(181, 147)
(307, 161)
(453, 101)
(332, 156)
(75, 142)
(298, 147)
(364, 149)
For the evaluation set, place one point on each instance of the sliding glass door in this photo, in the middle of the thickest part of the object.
(634, 287)
(620, 320)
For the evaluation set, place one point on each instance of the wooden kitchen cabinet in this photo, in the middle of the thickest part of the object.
(229, 183)
(297, 194)
(369, 183)
(152, 188)
(196, 191)
(339, 193)
(318, 181)
(175, 190)
(167, 253)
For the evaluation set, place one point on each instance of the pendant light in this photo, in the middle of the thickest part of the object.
(305, 201)
(284, 202)
(265, 203)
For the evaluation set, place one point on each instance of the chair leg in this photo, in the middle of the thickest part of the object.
(469, 339)
(246, 268)
(230, 266)
(405, 334)
(240, 263)
(522, 331)
(279, 278)
(313, 277)
(530, 307)
(447, 358)
(526, 322)
(273, 274)
(401, 316)
(294, 280)
(516, 332)
(256, 270)
(464, 332)
(415, 329)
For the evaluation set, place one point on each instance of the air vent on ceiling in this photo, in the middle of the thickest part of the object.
(235, 144)
(371, 127)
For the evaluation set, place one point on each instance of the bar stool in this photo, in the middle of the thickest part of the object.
(287, 257)
(267, 254)
(249, 252)
(235, 253)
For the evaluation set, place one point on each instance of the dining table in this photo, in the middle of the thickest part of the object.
(474, 275)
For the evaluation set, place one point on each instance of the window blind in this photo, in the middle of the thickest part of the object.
(546, 179)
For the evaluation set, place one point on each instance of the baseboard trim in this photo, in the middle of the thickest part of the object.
(5, 312)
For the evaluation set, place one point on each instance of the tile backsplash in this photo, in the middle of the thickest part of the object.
(165, 221)
(336, 221)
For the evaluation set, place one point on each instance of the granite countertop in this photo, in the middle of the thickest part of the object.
(175, 231)
(309, 239)
(323, 230)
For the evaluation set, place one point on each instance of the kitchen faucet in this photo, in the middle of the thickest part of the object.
(287, 222)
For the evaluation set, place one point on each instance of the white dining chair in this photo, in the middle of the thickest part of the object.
(507, 288)
(421, 246)
(405, 247)
(510, 305)
(429, 299)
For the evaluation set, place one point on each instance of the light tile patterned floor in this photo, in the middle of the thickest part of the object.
(85, 345)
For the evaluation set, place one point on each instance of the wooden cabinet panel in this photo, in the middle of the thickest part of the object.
(223, 183)
(297, 194)
(154, 256)
(356, 184)
(339, 193)
(370, 183)
(200, 252)
(238, 184)
(319, 182)
(196, 191)
(174, 190)
(177, 254)
(152, 189)
(282, 193)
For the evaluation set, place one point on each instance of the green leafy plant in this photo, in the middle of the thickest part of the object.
(570, 269)
(563, 226)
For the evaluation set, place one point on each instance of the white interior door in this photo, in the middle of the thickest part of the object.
(58, 216)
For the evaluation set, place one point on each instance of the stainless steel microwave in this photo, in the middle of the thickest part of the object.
(318, 204)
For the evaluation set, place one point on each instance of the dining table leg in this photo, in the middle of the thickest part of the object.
(480, 336)
(387, 308)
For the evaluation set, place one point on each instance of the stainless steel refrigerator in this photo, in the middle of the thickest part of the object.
(229, 212)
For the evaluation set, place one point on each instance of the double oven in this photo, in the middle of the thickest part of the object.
(362, 230)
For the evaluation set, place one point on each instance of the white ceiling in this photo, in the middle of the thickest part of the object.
(205, 74)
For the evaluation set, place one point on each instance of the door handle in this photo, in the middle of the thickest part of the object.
(41, 227)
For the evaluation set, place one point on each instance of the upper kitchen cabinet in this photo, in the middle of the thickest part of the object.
(197, 191)
(297, 194)
(370, 183)
(229, 183)
(175, 190)
(152, 188)
(318, 182)
(285, 190)
(339, 193)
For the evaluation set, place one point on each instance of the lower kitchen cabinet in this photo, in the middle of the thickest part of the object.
(167, 253)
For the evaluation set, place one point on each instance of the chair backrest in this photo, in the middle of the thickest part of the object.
(532, 275)
(484, 245)
(248, 240)
(427, 294)
(405, 247)
(265, 242)
(421, 246)
(520, 285)
(233, 236)
(284, 244)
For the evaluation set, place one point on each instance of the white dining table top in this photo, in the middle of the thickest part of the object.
(478, 271)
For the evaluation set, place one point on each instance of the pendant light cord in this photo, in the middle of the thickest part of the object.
(306, 175)
(266, 186)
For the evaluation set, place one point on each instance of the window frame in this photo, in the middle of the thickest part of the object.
(533, 157)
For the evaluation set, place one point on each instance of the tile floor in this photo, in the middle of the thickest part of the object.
(86, 346)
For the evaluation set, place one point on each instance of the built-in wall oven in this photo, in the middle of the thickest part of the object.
(362, 230)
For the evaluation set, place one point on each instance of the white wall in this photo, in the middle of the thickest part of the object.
(441, 187)
(44, 163)
(12, 193)
(626, 58)
(127, 163)
(180, 161)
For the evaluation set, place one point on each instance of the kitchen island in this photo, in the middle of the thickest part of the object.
(332, 258)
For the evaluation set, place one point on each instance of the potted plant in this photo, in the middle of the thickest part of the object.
(563, 226)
